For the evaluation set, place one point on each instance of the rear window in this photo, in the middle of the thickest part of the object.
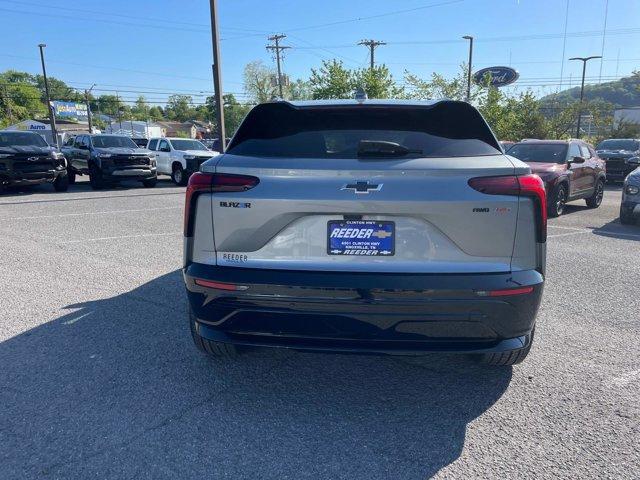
(21, 139)
(539, 152)
(113, 142)
(614, 144)
(446, 129)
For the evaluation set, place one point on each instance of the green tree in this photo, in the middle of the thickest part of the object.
(156, 113)
(331, 80)
(180, 108)
(377, 82)
(19, 100)
(259, 82)
(140, 110)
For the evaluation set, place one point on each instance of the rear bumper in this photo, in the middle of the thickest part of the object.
(360, 312)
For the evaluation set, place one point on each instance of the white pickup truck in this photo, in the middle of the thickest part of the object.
(179, 157)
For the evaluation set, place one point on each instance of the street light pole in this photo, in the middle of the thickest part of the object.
(584, 61)
(86, 99)
(470, 38)
(217, 76)
(52, 113)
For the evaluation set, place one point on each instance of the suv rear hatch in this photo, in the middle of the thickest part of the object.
(371, 187)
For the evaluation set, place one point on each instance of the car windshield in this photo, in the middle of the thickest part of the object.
(539, 152)
(22, 139)
(444, 130)
(631, 145)
(187, 145)
(108, 141)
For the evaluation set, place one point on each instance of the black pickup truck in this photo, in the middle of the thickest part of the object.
(27, 159)
(108, 159)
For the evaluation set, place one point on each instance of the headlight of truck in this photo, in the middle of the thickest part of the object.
(632, 189)
(633, 161)
(189, 157)
(104, 155)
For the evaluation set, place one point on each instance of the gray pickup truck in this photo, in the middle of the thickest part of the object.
(109, 159)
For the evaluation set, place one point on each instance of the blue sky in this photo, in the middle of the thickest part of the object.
(164, 46)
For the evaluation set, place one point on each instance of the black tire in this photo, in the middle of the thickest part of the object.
(150, 182)
(211, 348)
(626, 218)
(95, 178)
(178, 175)
(61, 183)
(557, 200)
(512, 357)
(72, 176)
(595, 200)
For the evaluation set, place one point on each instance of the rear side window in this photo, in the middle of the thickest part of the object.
(446, 129)
(153, 144)
(586, 154)
(574, 151)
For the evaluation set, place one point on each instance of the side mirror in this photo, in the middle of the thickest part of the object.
(576, 160)
(165, 149)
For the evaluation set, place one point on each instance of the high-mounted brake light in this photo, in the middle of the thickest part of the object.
(529, 185)
(202, 182)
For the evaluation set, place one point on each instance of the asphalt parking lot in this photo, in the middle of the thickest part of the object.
(99, 377)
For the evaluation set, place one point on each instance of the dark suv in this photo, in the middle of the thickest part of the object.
(570, 169)
(622, 156)
(27, 159)
(108, 159)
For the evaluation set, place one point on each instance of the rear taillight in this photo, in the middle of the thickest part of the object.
(529, 185)
(227, 182)
(201, 182)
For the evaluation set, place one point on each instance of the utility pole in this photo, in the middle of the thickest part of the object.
(217, 76)
(8, 102)
(584, 61)
(86, 99)
(371, 45)
(470, 66)
(52, 113)
(278, 49)
(119, 113)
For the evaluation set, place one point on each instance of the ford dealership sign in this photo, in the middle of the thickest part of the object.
(497, 76)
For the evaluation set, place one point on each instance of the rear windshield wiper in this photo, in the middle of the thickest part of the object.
(380, 148)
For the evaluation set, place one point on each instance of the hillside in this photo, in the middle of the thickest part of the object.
(621, 93)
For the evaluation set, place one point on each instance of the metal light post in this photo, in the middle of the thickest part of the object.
(217, 76)
(584, 61)
(52, 113)
(86, 99)
(470, 38)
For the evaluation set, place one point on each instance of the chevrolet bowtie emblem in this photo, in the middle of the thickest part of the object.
(32, 159)
(381, 234)
(362, 187)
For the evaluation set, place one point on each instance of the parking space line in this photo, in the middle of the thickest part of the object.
(120, 237)
(568, 233)
(91, 213)
(74, 320)
(565, 228)
(96, 197)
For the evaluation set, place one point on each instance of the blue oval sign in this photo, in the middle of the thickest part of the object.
(497, 76)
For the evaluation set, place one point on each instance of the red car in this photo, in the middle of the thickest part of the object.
(571, 170)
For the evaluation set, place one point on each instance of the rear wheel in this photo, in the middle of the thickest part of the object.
(512, 357)
(178, 175)
(150, 182)
(626, 218)
(595, 200)
(61, 183)
(557, 201)
(95, 178)
(211, 348)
